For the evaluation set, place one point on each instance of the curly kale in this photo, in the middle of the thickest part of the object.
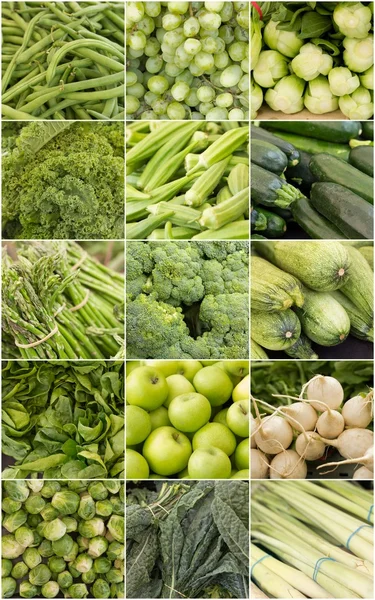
(187, 300)
(65, 181)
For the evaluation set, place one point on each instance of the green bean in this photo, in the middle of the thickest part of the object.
(27, 55)
(17, 115)
(60, 106)
(98, 115)
(99, 58)
(81, 85)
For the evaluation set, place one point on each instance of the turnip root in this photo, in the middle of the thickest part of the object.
(288, 465)
(259, 465)
(324, 391)
(330, 424)
(273, 434)
(309, 446)
(301, 413)
(356, 446)
(357, 411)
(363, 473)
(252, 429)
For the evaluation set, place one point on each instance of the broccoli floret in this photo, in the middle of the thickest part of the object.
(139, 264)
(226, 319)
(220, 250)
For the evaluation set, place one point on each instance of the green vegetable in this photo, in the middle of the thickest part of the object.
(312, 146)
(323, 319)
(8, 586)
(287, 95)
(270, 68)
(271, 288)
(258, 220)
(327, 131)
(312, 222)
(358, 105)
(342, 81)
(311, 62)
(362, 158)
(318, 98)
(268, 156)
(368, 253)
(301, 349)
(292, 154)
(360, 286)
(256, 98)
(270, 190)
(361, 326)
(367, 78)
(256, 351)
(335, 170)
(276, 330)
(358, 53)
(353, 19)
(286, 42)
(276, 226)
(368, 130)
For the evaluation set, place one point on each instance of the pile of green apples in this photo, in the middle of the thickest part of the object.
(187, 419)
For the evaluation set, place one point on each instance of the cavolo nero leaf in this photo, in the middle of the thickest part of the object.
(141, 560)
(232, 529)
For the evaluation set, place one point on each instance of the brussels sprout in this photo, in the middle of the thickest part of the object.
(73, 553)
(98, 490)
(16, 489)
(122, 495)
(104, 508)
(83, 563)
(102, 565)
(28, 590)
(66, 502)
(353, 19)
(318, 98)
(73, 571)
(45, 549)
(311, 62)
(270, 67)
(83, 542)
(8, 587)
(358, 106)
(112, 486)
(342, 81)
(15, 520)
(34, 520)
(32, 557)
(367, 79)
(100, 589)
(118, 507)
(70, 523)
(77, 590)
(118, 590)
(37, 538)
(34, 504)
(91, 528)
(86, 508)
(78, 486)
(287, 95)
(10, 506)
(50, 589)
(35, 485)
(63, 546)
(24, 536)
(50, 488)
(64, 579)
(10, 548)
(286, 42)
(56, 564)
(115, 550)
(19, 570)
(115, 576)
(54, 530)
(359, 54)
(116, 526)
(89, 577)
(6, 567)
(97, 546)
(49, 513)
(40, 575)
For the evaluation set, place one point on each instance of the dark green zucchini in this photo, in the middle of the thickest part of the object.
(362, 157)
(285, 213)
(276, 226)
(270, 190)
(312, 146)
(335, 170)
(313, 223)
(368, 130)
(300, 175)
(348, 212)
(301, 349)
(291, 152)
(268, 156)
(258, 220)
(338, 132)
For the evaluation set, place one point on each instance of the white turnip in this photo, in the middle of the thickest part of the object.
(273, 435)
(309, 446)
(303, 416)
(356, 446)
(330, 424)
(259, 465)
(288, 465)
(357, 412)
(363, 473)
(324, 391)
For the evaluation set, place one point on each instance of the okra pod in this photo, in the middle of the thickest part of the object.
(223, 194)
(238, 178)
(131, 194)
(222, 147)
(206, 183)
(154, 140)
(168, 167)
(140, 231)
(192, 159)
(172, 233)
(182, 215)
(238, 230)
(226, 212)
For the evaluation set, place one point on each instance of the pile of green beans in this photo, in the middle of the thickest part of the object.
(62, 60)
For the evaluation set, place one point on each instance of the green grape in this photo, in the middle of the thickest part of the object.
(179, 8)
(209, 45)
(237, 51)
(192, 46)
(148, 115)
(196, 116)
(174, 38)
(185, 76)
(192, 97)
(134, 53)
(152, 47)
(172, 70)
(146, 25)
(131, 78)
(158, 84)
(152, 9)
(224, 100)
(209, 20)
(244, 83)
(171, 21)
(243, 18)
(205, 93)
(137, 90)
(150, 97)
(205, 107)
(154, 64)
(230, 76)
(236, 114)
(176, 111)
(160, 33)
(226, 34)
(204, 61)
(221, 60)
(191, 27)
(132, 104)
(238, 6)
(214, 6)
(217, 114)
(195, 70)
(134, 63)
(135, 11)
(180, 90)
(240, 34)
(215, 79)
(245, 65)
(159, 106)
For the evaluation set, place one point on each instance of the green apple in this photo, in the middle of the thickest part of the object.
(159, 418)
(242, 390)
(243, 474)
(217, 435)
(214, 383)
(234, 379)
(138, 425)
(167, 451)
(146, 387)
(221, 417)
(238, 368)
(189, 368)
(131, 365)
(189, 412)
(136, 466)
(167, 367)
(209, 463)
(184, 473)
(177, 385)
(208, 363)
(241, 456)
(238, 418)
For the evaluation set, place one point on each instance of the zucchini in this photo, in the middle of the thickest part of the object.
(323, 319)
(362, 157)
(335, 170)
(270, 190)
(285, 213)
(322, 266)
(313, 223)
(330, 131)
(368, 253)
(312, 146)
(258, 220)
(368, 130)
(276, 226)
(302, 349)
(360, 286)
(275, 331)
(268, 156)
(300, 175)
(256, 351)
(360, 325)
(271, 288)
(350, 213)
(291, 152)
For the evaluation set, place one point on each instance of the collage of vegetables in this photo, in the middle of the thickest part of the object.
(187, 299)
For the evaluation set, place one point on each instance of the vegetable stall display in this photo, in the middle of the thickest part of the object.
(295, 439)
(187, 420)
(187, 60)
(187, 300)
(63, 180)
(63, 539)
(187, 181)
(63, 420)
(312, 540)
(304, 292)
(312, 179)
(313, 56)
(59, 302)
(187, 540)
(62, 61)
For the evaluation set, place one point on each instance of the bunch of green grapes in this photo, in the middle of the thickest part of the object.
(187, 60)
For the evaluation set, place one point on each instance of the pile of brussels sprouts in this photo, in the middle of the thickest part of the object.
(63, 539)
